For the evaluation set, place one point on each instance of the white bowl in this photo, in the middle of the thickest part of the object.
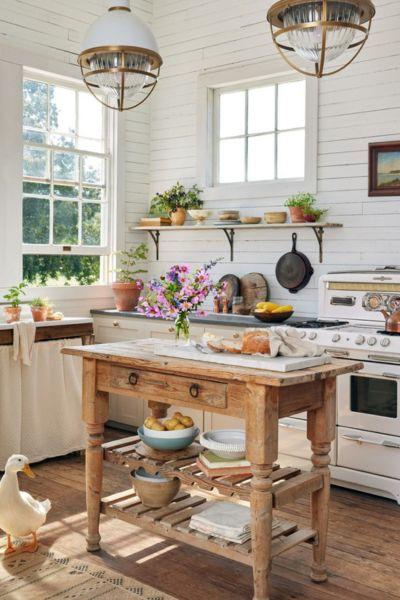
(225, 443)
(200, 215)
(178, 434)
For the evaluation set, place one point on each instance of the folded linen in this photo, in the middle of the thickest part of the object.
(24, 339)
(286, 341)
(224, 519)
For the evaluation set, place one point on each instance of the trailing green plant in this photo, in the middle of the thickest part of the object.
(39, 303)
(315, 213)
(176, 197)
(302, 200)
(14, 294)
(128, 260)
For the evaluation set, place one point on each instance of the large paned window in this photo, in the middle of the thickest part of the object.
(66, 194)
(259, 132)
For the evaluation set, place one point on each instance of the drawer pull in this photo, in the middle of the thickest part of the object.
(133, 378)
(361, 440)
(194, 390)
(115, 323)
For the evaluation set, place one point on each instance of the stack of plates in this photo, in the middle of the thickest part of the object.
(227, 223)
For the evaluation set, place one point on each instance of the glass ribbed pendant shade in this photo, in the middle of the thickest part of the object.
(120, 61)
(320, 32)
(308, 42)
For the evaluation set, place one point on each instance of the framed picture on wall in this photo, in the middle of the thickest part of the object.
(384, 169)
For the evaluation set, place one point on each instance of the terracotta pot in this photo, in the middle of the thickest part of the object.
(178, 216)
(13, 313)
(126, 295)
(296, 214)
(39, 313)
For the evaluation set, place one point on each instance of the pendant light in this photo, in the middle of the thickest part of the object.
(318, 32)
(120, 60)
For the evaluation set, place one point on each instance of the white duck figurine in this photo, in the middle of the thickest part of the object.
(20, 514)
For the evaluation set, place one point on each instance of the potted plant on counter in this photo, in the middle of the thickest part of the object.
(127, 288)
(13, 312)
(176, 202)
(39, 309)
(298, 205)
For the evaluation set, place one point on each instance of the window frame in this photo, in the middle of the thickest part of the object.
(246, 88)
(104, 249)
(262, 73)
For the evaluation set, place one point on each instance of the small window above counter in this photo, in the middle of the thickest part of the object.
(230, 232)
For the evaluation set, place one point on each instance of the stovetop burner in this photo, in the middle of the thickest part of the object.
(391, 333)
(318, 324)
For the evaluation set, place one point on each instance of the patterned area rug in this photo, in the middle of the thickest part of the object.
(47, 575)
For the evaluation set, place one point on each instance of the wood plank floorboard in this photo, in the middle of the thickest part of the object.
(363, 552)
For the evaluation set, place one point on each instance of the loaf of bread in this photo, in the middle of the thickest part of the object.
(256, 342)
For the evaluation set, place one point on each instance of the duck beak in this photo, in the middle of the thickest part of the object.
(28, 471)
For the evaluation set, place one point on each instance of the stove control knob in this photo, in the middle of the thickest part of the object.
(360, 339)
(371, 341)
(335, 337)
(312, 336)
(385, 342)
(303, 334)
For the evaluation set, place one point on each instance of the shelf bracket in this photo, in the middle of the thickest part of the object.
(319, 234)
(230, 234)
(156, 239)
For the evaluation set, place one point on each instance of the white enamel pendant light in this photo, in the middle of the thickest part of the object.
(120, 60)
(312, 35)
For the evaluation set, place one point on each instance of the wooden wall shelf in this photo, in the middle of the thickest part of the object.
(229, 231)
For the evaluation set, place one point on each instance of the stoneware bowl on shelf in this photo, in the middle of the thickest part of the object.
(162, 440)
(275, 217)
(225, 443)
(273, 317)
(250, 220)
(200, 215)
(155, 491)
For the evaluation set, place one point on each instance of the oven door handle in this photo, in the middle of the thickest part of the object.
(391, 375)
(361, 440)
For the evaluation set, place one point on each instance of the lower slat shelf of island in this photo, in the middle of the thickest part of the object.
(173, 521)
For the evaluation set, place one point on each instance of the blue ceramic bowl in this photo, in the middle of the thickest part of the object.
(159, 443)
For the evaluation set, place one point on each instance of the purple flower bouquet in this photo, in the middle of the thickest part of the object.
(177, 294)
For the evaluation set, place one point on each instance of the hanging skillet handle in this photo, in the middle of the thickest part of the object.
(294, 239)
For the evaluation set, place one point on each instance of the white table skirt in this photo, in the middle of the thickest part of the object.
(40, 405)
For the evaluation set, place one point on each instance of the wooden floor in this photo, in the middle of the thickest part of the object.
(363, 556)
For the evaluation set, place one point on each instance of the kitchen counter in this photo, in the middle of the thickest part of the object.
(209, 319)
(64, 321)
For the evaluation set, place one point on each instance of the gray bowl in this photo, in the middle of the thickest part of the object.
(159, 443)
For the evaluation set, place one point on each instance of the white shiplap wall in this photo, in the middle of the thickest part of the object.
(50, 32)
(358, 106)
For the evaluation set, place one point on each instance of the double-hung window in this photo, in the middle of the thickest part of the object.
(259, 132)
(66, 196)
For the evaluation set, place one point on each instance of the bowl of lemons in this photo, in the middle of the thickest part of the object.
(175, 433)
(270, 312)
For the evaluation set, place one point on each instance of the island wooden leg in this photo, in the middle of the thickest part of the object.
(158, 409)
(95, 414)
(321, 432)
(261, 451)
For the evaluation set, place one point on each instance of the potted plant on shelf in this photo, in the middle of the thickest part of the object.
(313, 215)
(298, 204)
(13, 312)
(176, 202)
(127, 288)
(39, 309)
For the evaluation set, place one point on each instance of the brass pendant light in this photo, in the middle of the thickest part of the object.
(318, 32)
(120, 60)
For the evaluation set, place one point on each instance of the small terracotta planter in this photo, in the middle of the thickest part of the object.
(296, 214)
(13, 313)
(178, 216)
(126, 295)
(39, 313)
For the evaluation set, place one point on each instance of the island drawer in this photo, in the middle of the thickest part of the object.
(162, 387)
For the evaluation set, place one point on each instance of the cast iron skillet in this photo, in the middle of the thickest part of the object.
(293, 270)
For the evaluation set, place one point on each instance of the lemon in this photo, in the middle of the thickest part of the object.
(283, 309)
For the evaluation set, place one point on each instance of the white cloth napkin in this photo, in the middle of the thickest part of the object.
(286, 341)
(24, 339)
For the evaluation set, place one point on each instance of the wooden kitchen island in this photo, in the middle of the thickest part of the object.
(261, 398)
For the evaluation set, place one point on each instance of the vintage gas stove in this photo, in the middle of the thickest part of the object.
(351, 325)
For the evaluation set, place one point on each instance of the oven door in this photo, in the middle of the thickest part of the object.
(370, 399)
